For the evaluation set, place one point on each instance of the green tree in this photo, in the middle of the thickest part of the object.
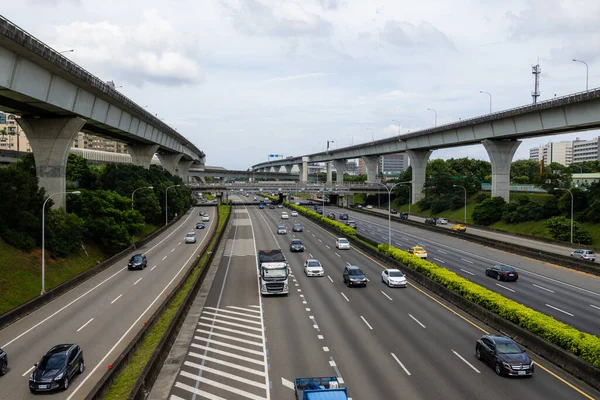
(79, 171)
(560, 229)
(580, 202)
(521, 168)
(64, 232)
(488, 211)
(27, 163)
(555, 176)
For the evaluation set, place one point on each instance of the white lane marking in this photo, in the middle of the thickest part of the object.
(253, 306)
(466, 362)
(385, 294)
(398, 244)
(84, 325)
(310, 255)
(442, 261)
(468, 272)
(230, 337)
(320, 241)
(328, 247)
(416, 320)
(558, 309)
(117, 298)
(152, 268)
(591, 305)
(172, 250)
(28, 371)
(237, 331)
(301, 295)
(344, 296)
(296, 284)
(299, 290)
(231, 346)
(195, 391)
(228, 354)
(338, 255)
(163, 259)
(287, 384)
(320, 337)
(220, 321)
(330, 278)
(223, 311)
(441, 251)
(232, 317)
(135, 283)
(179, 244)
(311, 317)
(222, 386)
(543, 288)
(241, 308)
(365, 321)
(313, 234)
(332, 363)
(348, 263)
(316, 326)
(221, 373)
(325, 349)
(307, 309)
(465, 260)
(399, 362)
(504, 287)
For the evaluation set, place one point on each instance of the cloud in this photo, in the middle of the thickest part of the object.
(298, 77)
(405, 34)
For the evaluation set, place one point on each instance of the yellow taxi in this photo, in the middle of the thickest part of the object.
(459, 228)
(418, 251)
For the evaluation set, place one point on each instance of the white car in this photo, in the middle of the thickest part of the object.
(205, 218)
(190, 237)
(294, 213)
(313, 267)
(281, 230)
(393, 278)
(442, 221)
(279, 205)
(285, 215)
(342, 244)
(369, 206)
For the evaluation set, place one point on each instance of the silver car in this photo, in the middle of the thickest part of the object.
(587, 255)
(281, 230)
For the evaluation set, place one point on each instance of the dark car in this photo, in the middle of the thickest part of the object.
(56, 368)
(319, 211)
(297, 228)
(200, 225)
(272, 206)
(296, 245)
(502, 273)
(392, 211)
(331, 215)
(3, 362)
(353, 276)
(343, 217)
(201, 213)
(504, 355)
(430, 221)
(351, 224)
(137, 261)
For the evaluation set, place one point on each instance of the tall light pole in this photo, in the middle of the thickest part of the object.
(586, 72)
(580, 172)
(572, 201)
(489, 94)
(465, 200)
(66, 51)
(435, 112)
(398, 125)
(372, 134)
(44, 238)
(166, 203)
(143, 187)
(390, 207)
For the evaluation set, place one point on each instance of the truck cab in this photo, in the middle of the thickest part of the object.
(273, 272)
(320, 388)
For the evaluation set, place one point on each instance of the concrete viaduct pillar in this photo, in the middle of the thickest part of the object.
(288, 169)
(371, 164)
(329, 173)
(340, 168)
(303, 170)
(51, 139)
(501, 153)
(170, 161)
(141, 154)
(418, 162)
(183, 170)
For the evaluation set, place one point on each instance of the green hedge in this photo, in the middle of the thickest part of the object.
(342, 228)
(269, 197)
(581, 344)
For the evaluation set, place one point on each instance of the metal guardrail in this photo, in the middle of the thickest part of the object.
(516, 188)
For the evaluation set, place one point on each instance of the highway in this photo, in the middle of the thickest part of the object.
(103, 314)
(384, 343)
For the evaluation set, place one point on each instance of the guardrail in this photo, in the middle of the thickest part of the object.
(30, 306)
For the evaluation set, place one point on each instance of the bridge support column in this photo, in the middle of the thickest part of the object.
(329, 173)
(340, 168)
(141, 154)
(170, 161)
(51, 139)
(501, 153)
(303, 170)
(183, 168)
(371, 164)
(288, 169)
(418, 161)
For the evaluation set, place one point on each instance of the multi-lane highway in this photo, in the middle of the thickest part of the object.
(384, 343)
(103, 314)
(567, 295)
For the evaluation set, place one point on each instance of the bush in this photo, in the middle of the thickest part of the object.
(64, 233)
(482, 196)
(489, 211)
(522, 209)
(20, 240)
(560, 229)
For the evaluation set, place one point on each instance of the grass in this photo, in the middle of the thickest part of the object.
(208, 196)
(124, 382)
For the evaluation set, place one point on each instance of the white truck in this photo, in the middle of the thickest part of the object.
(273, 272)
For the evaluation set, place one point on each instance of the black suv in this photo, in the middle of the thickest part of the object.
(296, 245)
(353, 276)
(3, 362)
(137, 261)
(56, 368)
(504, 355)
(331, 215)
(430, 221)
(343, 216)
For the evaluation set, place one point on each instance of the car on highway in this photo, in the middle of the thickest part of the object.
(588, 255)
(430, 221)
(137, 261)
(319, 211)
(502, 273)
(342, 244)
(331, 215)
(271, 206)
(393, 211)
(56, 368)
(205, 218)
(297, 228)
(459, 228)
(285, 215)
(279, 205)
(351, 224)
(343, 217)
(296, 245)
(313, 267)
(281, 230)
(442, 221)
(190, 237)
(393, 278)
(201, 213)
(354, 276)
(370, 207)
(200, 225)
(3, 362)
(418, 251)
(504, 354)
(294, 213)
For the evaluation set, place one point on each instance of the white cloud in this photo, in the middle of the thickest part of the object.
(405, 34)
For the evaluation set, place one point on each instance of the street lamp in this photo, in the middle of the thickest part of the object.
(586, 72)
(489, 94)
(390, 207)
(572, 201)
(398, 125)
(44, 238)
(372, 134)
(435, 112)
(143, 187)
(167, 203)
(580, 172)
(66, 51)
(465, 200)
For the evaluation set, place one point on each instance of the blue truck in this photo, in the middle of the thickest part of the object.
(261, 205)
(320, 388)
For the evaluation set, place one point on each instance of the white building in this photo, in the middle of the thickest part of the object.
(558, 152)
(586, 150)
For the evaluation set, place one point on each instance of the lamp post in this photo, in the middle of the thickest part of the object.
(167, 203)
(489, 94)
(465, 200)
(398, 125)
(66, 51)
(435, 112)
(390, 207)
(143, 187)
(586, 72)
(580, 172)
(572, 201)
(44, 238)
(372, 134)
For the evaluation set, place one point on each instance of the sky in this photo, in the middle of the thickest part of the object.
(243, 79)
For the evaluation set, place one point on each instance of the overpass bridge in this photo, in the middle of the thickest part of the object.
(57, 98)
(498, 132)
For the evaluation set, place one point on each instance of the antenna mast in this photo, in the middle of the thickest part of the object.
(536, 71)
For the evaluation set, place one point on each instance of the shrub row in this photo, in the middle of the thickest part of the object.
(581, 344)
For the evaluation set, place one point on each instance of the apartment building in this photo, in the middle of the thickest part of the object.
(586, 150)
(557, 152)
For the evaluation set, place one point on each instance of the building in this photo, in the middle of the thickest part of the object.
(392, 164)
(557, 152)
(586, 150)
(362, 169)
(588, 179)
(351, 167)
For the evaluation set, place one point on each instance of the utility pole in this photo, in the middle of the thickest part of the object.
(536, 71)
